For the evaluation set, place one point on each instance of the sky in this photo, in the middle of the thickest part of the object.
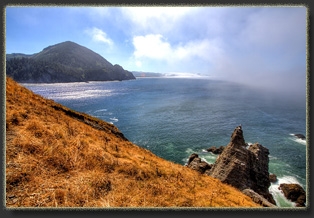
(261, 46)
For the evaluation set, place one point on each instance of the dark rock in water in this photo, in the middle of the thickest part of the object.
(215, 150)
(197, 164)
(272, 178)
(300, 136)
(294, 192)
(243, 168)
(258, 198)
(191, 158)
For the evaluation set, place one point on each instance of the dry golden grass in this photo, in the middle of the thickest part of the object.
(56, 157)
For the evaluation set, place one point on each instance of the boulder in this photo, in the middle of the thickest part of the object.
(243, 168)
(294, 192)
(215, 150)
(300, 136)
(272, 178)
(197, 164)
(192, 157)
(258, 198)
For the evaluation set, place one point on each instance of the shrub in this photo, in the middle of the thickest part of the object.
(60, 196)
(14, 179)
(101, 186)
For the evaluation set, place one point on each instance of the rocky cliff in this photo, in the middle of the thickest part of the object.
(243, 168)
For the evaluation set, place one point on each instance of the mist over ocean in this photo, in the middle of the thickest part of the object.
(175, 117)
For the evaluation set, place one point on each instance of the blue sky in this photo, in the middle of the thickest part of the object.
(264, 46)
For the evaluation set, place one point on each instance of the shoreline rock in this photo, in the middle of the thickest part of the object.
(294, 192)
(272, 178)
(195, 163)
(215, 150)
(300, 136)
(258, 198)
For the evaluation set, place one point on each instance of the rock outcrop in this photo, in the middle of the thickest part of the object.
(195, 163)
(295, 193)
(272, 178)
(243, 168)
(257, 198)
(300, 136)
(215, 150)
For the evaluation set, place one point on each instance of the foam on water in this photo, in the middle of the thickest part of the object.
(188, 151)
(298, 140)
(272, 157)
(203, 154)
(209, 157)
(114, 119)
(100, 110)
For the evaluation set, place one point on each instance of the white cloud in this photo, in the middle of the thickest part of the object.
(155, 19)
(138, 63)
(99, 36)
(151, 46)
(156, 47)
(142, 15)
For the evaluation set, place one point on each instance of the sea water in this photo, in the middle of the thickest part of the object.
(175, 117)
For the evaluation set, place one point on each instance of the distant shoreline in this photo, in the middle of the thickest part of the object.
(33, 83)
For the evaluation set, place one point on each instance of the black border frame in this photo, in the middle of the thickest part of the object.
(31, 212)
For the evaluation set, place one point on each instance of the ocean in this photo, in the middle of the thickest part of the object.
(175, 117)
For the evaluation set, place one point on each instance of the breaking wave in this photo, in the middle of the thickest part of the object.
(113, 120)
(101, 110)
(298, 140)
(279, 197)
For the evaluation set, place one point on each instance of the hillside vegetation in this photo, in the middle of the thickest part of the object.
(63, 62)
(56, 157)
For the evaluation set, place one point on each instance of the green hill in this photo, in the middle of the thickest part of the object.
(63, 62)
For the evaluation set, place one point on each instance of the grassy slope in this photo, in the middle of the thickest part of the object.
(56, 157)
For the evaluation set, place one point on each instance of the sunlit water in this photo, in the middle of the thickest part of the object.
(174, 118)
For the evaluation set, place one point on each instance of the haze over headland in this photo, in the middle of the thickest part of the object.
(260, 46)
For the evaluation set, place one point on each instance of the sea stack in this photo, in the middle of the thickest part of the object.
(244, 168)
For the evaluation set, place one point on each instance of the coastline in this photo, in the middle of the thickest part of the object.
(106, 110)
(67, 151)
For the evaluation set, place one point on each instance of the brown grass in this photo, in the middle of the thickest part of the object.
(56, 157)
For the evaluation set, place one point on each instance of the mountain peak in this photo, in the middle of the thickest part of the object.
(64, 45)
